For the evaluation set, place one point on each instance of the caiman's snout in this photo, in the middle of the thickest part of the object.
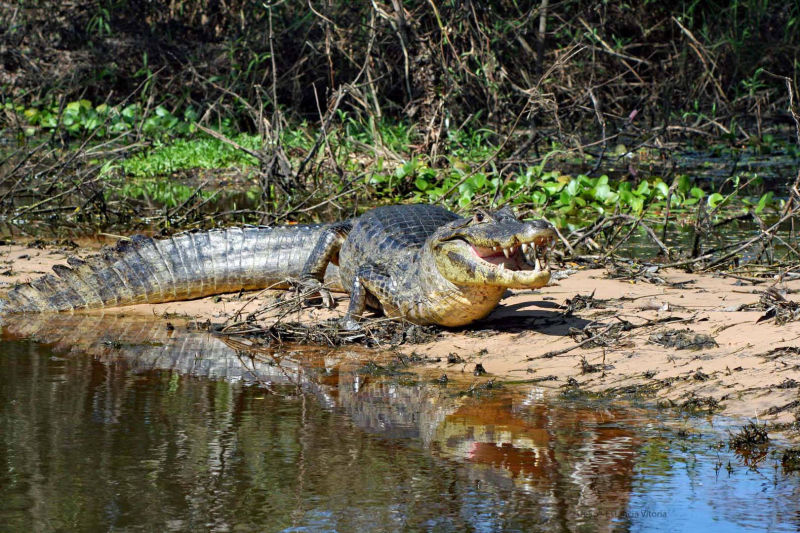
(502, 251)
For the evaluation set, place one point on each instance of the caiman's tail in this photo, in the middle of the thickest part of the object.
(182, 267)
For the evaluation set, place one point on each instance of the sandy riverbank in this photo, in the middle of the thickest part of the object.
(753, 371)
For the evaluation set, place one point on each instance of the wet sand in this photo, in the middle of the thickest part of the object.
(753, 372)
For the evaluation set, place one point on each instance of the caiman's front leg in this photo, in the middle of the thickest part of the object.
(367, 282)
(325, 251)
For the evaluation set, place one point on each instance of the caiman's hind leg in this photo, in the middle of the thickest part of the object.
(325, 251)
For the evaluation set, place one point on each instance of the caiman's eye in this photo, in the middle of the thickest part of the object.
(478, 217)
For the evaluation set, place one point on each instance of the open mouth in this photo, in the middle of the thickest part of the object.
(525, 256)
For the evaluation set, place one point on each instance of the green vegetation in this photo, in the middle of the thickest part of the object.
(164, 158)
(162, 192)
(581, 112)
(80, 118)
(381, 153)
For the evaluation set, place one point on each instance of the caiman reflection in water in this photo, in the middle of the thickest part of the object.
(547, 465)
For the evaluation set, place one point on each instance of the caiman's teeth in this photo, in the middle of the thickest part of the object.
(537, 266)
(494, 248)
(524, 248)
(501, 266)
(505, 252)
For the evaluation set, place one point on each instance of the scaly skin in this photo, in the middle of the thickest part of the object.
(415, 262)
(434, 267)
(183, 267)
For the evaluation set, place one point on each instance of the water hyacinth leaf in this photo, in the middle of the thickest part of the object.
(538, 197)
(552, 188)
(48, 120)
(130, 112)
(602, 192)
(763, 201)
(715, 199)
(572, 188)
(72, 108)
(478, 180)
(93, 122)
(684, 184)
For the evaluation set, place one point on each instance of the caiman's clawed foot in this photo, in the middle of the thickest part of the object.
(314, 293)
(348, 323)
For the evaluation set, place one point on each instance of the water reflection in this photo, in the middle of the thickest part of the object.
(112, 422)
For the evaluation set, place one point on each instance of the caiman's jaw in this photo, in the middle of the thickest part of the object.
(495, 249)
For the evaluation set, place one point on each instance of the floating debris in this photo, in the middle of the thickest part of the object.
(750, 443)
(788, 383)
(454, 359)
(749, 436)
(699, 403)
(582, 301)
(790, 460)
(598, 334)
(683, 339)
(777, 353)
(588, 368)
(375, 332)
(778, 307)
(647, 274)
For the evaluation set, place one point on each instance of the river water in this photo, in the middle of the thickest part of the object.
(127, 424)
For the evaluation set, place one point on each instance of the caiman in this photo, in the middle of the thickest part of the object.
(420, 263)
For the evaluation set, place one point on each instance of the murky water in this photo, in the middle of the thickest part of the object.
(113, 423)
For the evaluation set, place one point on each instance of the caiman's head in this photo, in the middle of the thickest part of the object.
(494, 248)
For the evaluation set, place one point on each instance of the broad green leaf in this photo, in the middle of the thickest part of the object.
(552, 188)
(715, 199)
(572, 188)
(538, 197)
(762, 203)
(130, 112)
(602, 192)
(684, 184)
